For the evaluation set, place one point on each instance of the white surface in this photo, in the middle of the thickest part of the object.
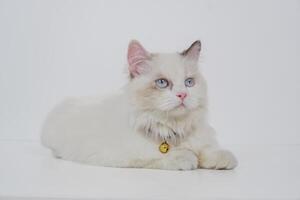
(53, 49)
(265, 172)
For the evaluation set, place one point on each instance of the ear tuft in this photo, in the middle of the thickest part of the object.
(193, 52)
(137, 57)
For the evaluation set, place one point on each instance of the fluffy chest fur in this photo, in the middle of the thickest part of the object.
(161, 127)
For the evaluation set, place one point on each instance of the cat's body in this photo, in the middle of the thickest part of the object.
(127, 129)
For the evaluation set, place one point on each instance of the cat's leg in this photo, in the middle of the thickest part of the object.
(177, 159)
(210, 154)
(216, 158)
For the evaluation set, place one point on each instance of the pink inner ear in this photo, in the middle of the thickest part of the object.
(136, 56)
(195, 51)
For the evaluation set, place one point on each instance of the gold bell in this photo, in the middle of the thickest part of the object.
(164, 147)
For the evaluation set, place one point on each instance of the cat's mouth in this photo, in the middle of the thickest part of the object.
(179, 110)
(181, 106)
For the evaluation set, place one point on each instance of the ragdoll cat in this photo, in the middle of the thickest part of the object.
(157, 121)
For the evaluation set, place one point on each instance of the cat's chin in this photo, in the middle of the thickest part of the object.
(178, 111)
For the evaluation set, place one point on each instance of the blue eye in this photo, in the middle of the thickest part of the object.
(161, 83)
(189, 82)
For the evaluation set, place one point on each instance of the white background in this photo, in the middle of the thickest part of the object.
(251, 49)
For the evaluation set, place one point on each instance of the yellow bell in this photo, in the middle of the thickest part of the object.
(164, 147)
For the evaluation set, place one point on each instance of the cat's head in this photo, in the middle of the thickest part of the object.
(166, 83)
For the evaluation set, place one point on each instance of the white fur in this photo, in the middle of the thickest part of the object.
(114, 131)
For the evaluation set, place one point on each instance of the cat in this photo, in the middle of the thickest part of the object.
(157, 121)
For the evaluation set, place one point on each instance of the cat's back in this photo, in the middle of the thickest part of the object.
(76, 120)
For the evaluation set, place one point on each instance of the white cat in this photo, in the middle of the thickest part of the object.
(158, 120)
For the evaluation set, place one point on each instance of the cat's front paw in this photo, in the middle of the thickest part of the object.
(182, 160)
(217, 159)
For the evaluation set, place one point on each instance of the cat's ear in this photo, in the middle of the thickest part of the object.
(137, 58)
(193, 52)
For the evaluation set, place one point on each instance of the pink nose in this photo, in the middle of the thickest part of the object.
(181, 95)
